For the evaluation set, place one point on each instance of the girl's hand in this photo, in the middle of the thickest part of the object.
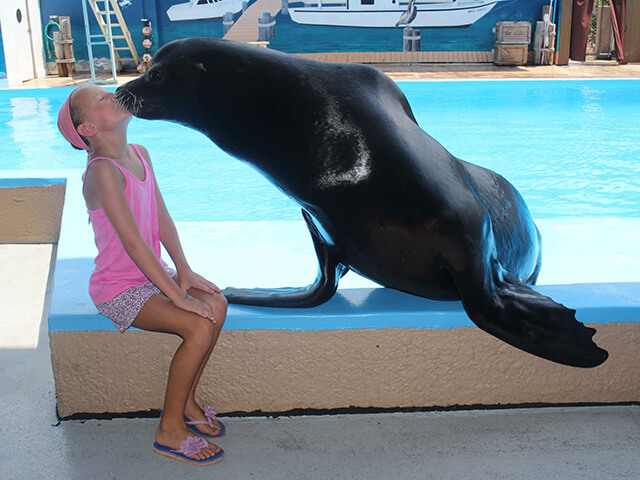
(190, 279)
(194, 305)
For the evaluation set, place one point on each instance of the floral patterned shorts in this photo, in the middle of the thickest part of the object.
(123, 309)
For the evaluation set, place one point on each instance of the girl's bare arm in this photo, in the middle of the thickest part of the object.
(171, 241)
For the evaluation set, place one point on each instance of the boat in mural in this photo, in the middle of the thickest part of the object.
(203, 9)
(392, 13)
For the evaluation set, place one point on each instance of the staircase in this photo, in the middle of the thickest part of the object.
(109, 16)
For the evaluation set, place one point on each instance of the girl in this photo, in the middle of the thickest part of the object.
(131, 284)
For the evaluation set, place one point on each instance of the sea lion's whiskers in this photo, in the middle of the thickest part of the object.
(138, 104)
(120, 100)
(128, 101)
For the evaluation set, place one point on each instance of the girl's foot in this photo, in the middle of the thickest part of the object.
(194, 413)
(173, 438)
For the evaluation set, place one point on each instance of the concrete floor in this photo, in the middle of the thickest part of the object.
(546, 443)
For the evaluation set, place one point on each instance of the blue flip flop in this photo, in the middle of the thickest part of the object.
(190, 446)
(210, 413)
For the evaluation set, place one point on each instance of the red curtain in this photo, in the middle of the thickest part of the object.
(581, 20)
(618, 12)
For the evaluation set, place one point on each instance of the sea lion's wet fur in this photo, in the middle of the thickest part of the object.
(379, 195)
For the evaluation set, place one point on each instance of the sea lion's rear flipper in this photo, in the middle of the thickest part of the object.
(330, 271)
(530, 321)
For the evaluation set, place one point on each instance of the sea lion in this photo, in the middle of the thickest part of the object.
(378, 194)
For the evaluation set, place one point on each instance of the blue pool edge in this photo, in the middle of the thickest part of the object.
(370, 308)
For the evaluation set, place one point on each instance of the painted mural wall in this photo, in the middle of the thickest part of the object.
(3, 69)
(299, 37)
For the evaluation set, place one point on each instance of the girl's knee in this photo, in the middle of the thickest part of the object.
(220, 308)
(201, 331)
(223, 301)
(218, 304)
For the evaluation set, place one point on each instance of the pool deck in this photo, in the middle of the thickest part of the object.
(562, 442)
(461, 71)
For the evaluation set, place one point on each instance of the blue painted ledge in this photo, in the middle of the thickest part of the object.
(72, 309)
(30, 182)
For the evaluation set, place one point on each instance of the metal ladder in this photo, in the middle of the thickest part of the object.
(103, 17)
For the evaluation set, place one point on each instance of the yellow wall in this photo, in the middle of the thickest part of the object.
(31, 214)
(276, 371)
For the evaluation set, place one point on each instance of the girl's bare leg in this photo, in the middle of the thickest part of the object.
(219, 307)
(159, 314)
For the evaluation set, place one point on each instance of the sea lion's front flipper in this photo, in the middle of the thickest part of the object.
(530, 321)
(330, 271)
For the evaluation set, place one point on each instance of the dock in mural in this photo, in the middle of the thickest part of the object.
(401, 57)
(246, 27)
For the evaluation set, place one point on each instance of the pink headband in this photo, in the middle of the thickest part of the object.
(65, 124)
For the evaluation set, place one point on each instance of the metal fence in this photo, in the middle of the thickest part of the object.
(600, 43)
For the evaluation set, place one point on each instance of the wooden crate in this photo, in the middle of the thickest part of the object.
(513, 32)
(510, 54)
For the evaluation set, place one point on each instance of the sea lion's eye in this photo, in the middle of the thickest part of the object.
(155, 75)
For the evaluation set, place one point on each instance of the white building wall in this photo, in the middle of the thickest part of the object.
(22, 40)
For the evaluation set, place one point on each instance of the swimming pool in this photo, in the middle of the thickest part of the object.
(571, 147)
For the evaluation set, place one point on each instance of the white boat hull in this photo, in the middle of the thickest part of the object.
(428, 16)
(186, 11)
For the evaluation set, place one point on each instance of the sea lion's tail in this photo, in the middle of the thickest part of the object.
(530, 321)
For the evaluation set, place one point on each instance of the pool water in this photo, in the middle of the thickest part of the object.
(571, 147)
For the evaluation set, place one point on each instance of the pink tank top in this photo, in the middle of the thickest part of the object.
(115, 271)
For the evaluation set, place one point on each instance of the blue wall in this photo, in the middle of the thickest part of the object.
(291, 37)
(3, 68)
(73, 9)
(294, 38)
(163, 30)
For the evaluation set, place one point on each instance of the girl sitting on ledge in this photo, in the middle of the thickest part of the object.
(131, 284)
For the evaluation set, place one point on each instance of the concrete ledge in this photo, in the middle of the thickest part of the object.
(32, 209)
(365, 348)
(277, 371)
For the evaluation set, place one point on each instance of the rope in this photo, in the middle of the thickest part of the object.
(46, 34)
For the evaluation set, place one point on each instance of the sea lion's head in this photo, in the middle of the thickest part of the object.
(171, 89)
